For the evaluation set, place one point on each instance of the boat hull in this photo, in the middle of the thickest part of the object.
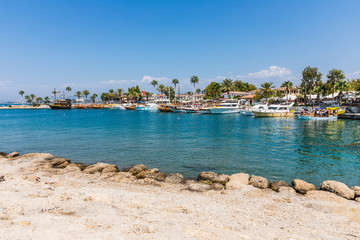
(274, 114)
(57, 107)
(224, 110)
(304, 117)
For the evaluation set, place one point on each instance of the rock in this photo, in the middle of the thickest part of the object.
(286, 190)
(73, 167)
(2, 154)
(277, 184)
(357, 199)
(59, 162)
(2, 178)
(137, 169)
(158, 176)
(259, 182)
(110, 169)
(217, 186)
(199, 187)
(338, 188)
(12, 155)
(302, 187)
(98, 167)
(213, 177)
(122, 177)
(323, 195)
(237, 181)
(46, 156)
(356, 190)
(175, 178)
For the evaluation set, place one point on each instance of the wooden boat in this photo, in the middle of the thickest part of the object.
(95, 106)
(165, 108)
(275, 111)
(80, 106)
(319, 114)
(131, 107)
(61, 104)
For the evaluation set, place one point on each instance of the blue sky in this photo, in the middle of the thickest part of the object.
(99, 45)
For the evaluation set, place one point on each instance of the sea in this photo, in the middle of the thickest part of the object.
(275, 148)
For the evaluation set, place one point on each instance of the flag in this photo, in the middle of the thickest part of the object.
(143, 93)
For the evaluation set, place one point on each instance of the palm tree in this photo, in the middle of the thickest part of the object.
(47, 100)
(161, 88)
(334, 76)
(194, 80)
(227, 85)
(154, 83)
(198, 91)
(93, 97)
(78, 94)
(287, 85)
(120, 93)
(68, 89)
(86, 93)
(38, 100)
(342, 86)
(32, 96)
(21, 93)
(28, 99)
(266, 89)
(54, 92)
(175, 82)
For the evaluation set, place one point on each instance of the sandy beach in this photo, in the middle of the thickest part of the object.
(41, 202)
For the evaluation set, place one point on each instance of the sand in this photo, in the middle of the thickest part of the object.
(37, 204)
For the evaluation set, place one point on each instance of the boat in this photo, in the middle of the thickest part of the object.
(251, 110)
(147, 107)
(191, 109)
(275, 111)
(226, 107)
(61, 104)
(80, 106)
(320, 114)
(95, 106)
(204, 110)
(165, 108)
(131, 107)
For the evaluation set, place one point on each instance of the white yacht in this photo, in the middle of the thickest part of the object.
(226, 107)
(275, 111)
(147, 107)
(251, 110)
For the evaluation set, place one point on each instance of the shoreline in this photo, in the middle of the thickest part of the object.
(82, 202)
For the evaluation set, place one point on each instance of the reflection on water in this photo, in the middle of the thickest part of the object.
(277, 148)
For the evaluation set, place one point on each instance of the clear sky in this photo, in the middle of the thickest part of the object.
(99, 45)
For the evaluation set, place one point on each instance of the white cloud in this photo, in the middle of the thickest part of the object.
(117, 82)
(353, 75)
(150, 78)
(271, 72)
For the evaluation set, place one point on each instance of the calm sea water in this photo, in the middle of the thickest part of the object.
(276, 148)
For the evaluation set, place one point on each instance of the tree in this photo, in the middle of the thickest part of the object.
(334, 76)
(54, 92)
(175, 82)
(243, 86)
(32, 96)
(169, 90)
(120, 93)
(154, 83)
(148, 94)
(194, 80)
(86, 94)
(68, 89)
(78, 94)
(266, 89)
(93, 97)
(47, 100)
(21, 93)
(287, 85)
(227, 85)
(135, 93)
(161, 88)
(39, 100)
(342, 86)
(212, 90)
(310, 79)
(354, 84)
(28, 99)
(198, 91)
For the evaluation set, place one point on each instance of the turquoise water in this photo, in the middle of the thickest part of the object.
(276, 148)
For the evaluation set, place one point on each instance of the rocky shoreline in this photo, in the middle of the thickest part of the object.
(206, 180)
(44, 189)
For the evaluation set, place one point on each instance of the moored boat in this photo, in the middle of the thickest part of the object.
(275, 111)
(61, 104)
(226, 107)
(320, 114)
(165, 108)
(147, 107)
(131, 107)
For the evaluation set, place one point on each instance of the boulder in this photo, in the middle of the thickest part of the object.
(277, 184)
(2, 154)
(199, 187)
(12, 155)
(357, 199)
(356, 190)
(286, 190)
(323, 195)
(2, 178)
(72, 167)
(301, 186)
(217, 186)
(158, 176)
(46, 156)
(110, 169)
(137, 169)
(98, 167)
(213, 177)
(175, 178)
(59, 162)
(237, 181)
(259, 182)
(338, 188)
